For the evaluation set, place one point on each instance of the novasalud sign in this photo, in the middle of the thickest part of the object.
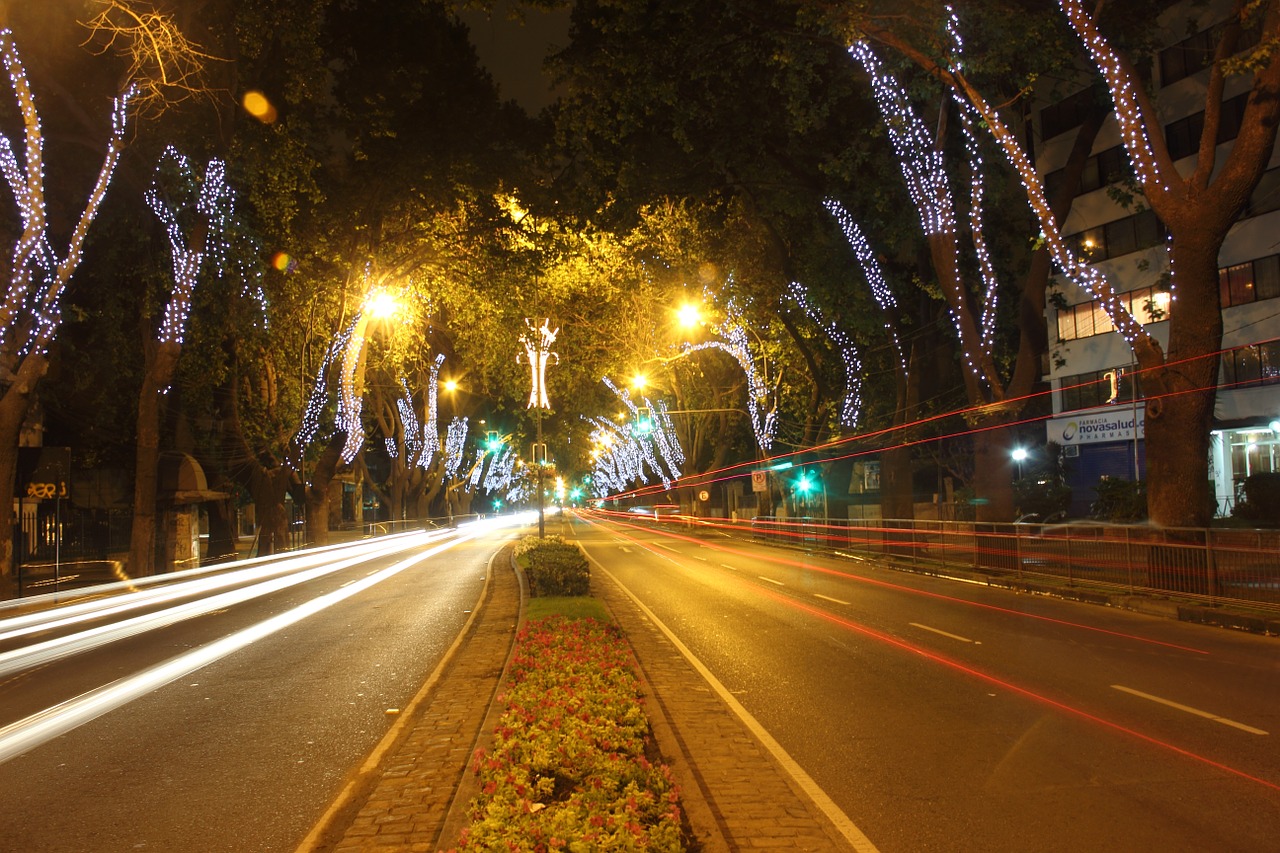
(1113, 425)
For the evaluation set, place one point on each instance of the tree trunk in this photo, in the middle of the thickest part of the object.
(160, 359)
(993, 472)
(1180, 393)
(316, 504)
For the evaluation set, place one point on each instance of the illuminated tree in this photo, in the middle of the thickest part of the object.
(195, 213)
(1198, 209)
(40, 268)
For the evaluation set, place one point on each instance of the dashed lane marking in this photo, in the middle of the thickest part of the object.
(771, 580)
(945, 633)
(1208, 716)
(829, 598)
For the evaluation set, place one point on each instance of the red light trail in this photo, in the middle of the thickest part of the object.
(958, 666)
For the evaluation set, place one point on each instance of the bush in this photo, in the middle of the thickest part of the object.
(554, 566)
(1260, 503)
(1120, 500)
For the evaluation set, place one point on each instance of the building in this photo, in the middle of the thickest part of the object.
(1098, 412)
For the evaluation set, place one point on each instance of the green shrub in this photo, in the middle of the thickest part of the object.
(554, 566)
(1120, 500)
(1260, 503)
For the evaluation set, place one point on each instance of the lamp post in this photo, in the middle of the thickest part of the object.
(1019, 456)
(537, 346)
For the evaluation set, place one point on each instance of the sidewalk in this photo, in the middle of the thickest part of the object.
(414, 793)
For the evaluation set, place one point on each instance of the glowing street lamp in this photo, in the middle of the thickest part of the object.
(1019, 456)
(688, 315)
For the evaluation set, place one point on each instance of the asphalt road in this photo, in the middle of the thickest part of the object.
(950, 716)
(242, 753)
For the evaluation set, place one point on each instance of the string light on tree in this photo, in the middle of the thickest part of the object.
(455, 442)
(733, 340)
(1088, 278)
(871, 272)
(851, 408)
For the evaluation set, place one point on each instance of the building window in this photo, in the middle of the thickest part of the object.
(1183, 135)
(1090, 390)
(1250, 281)
(1266, 196)
(1068, 113)
(1252, 366)
(1120, 237)
(1195, 53)
(1146, 304)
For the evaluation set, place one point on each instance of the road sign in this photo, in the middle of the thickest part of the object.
(704, 496)
(759, 481)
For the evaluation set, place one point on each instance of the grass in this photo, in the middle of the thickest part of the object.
(572, 607)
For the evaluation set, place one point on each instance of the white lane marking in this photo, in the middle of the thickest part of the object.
(1208, 716)
(727, 566)
(944, 633)
(829, 598)
(771, 580)
(626, 550)
(670, 548)
(819, 797)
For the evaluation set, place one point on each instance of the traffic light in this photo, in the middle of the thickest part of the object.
(644, 420)
(492, 440)
(804, 484)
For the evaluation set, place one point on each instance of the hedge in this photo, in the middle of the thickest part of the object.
(554, 566)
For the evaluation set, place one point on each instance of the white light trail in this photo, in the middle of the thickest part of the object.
(26, 734)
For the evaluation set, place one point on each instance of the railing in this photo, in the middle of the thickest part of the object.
(1208, 564)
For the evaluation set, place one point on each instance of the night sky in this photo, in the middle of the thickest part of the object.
(513, 51)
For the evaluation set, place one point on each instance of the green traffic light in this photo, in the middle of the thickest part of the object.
(804, 485)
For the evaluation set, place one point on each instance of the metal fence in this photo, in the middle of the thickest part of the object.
(68, 547)
(1214, 564)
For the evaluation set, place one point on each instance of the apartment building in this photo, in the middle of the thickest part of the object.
(1097, 399)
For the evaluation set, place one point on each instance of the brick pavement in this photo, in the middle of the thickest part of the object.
(413, 796)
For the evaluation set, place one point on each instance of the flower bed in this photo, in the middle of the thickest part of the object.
(567, 770)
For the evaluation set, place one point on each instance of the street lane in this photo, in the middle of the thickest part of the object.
(246, 752)
(950, 716)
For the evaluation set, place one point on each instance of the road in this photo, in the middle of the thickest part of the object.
(949, 716)
(217, 720)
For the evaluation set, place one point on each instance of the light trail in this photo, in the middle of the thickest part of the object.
(61, 647)
(997, 681)
(26, 734)
(97, 608)
(782, 561)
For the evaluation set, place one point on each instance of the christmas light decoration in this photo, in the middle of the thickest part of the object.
(215, 202)
(537, 346)
(1088, 278)
(925, 175)
(31, 311)
(733, 340)
(431, 429)
(350, 399)
(871, 272)
(454, 443)
(851, 407)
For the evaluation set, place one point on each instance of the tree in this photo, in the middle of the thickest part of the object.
(194, 213)
(38, 275)
(1198, 210)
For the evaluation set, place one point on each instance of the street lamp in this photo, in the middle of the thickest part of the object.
(1019, 456)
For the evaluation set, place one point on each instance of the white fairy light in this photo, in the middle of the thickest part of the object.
(1088, 278)
(925, 175)
(851, 408)
(454, 443)
(871, 272)
(431, 429)
(537, 346)
(31, 311)
(735, 342)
